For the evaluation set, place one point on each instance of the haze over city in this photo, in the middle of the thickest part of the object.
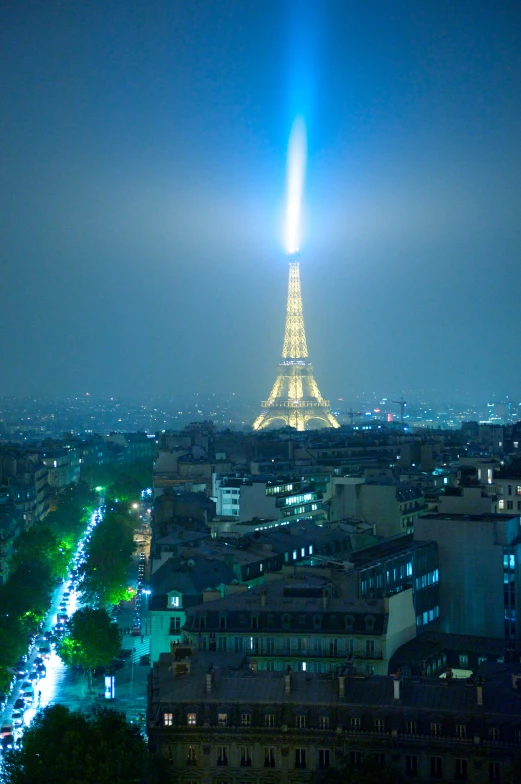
(143, 152)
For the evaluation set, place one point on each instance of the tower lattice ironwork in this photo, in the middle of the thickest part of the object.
(295, 398)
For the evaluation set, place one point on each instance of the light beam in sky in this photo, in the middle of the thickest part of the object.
(295, 175)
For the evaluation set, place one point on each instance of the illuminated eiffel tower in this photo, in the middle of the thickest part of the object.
(295, 397)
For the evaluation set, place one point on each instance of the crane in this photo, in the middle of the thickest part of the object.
(401, 402)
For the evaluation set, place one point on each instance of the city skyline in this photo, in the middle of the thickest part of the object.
(143, 154)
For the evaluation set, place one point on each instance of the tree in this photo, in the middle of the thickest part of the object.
(122, 481)
(91, 639)
(62, 746)
(103, 576)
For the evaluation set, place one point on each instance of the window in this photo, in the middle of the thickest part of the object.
(221, 644)
(411, 727)
(191, 755)
(510, 505)
(174, 601)
(369, 648)
(222, 622)
(355, 757)
(245, 756)
(168, 719)
(494, 771)
(269, 757)
(461, 730)
(246, 720)
(301, 722)
(509, 489)
(436, 768)
(286, 621)
(222, 755)
(379, 758)
(501, 503)
(411, 765)
(324, 760)
(300, 758)
(191, 719)
(317, 621)
(460, 769)
(222, 719)
(238, 644)
(435, 729)
(355, 723)
(323, 722)
(254, 622)
(202, 622)
(493, 733)
(175, 625)
(379, 725)
(269, 720)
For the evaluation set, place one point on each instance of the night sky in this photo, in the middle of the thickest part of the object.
(143, 153)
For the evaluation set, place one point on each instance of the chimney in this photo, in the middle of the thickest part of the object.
(287, 681)
(341, 685)
(396, 687)
(263, 598)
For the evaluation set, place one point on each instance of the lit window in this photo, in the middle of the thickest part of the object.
(294, 555)
(174, 601)
(168, 719)
(191, 719)
(222, 719)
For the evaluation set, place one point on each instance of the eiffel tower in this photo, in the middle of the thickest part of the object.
(295, 397)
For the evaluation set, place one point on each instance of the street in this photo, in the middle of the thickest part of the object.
(70, 687)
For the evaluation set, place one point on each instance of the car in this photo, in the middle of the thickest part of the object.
(135, 631)
(33, 676)
(38, 660)
(6, 728)
(42, 671)
(45, 651)
(8, 742)
(27, 692)
(62, 617)
(19, 704)
(17, 717)
(66, 594)
(142, 556)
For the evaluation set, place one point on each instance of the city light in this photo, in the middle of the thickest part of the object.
(295, 175)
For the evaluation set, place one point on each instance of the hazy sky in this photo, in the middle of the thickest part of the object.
(142, 154)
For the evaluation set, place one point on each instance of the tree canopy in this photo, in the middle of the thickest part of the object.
(122, 481)
(103, 576)
(62, 746)
(40, 559)
(91, 639)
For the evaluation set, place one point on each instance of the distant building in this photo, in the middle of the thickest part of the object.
(479, 572)
(303, 623)
(390, 506)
